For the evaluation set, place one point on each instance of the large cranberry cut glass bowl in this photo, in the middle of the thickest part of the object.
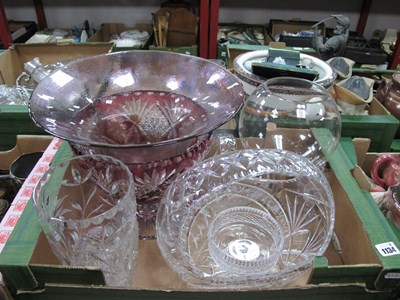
(153, 110)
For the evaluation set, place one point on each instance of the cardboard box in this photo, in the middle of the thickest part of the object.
(21, 31)
(187, 49)
(385, 231)
(16, 195)
(25, 144)
(190, 50)
(56, 36)
(14, 119)
(228, 28)
(107, 30)
(364, 161)
(353, 269)
(279, 27)
(379, 126)
(222, 49)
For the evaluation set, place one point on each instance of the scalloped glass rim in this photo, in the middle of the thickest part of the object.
(223, 85)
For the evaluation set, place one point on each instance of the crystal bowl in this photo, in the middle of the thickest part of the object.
(246, 219)
(291, 114)
(153, 110)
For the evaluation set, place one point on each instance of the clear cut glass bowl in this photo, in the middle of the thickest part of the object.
(292, 114)
(153, 110)
(247, 219)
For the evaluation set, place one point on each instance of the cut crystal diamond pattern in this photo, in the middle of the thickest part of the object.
(283, 184)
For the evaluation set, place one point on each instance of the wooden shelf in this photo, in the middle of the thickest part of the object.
(362, 22)
(5, 35)
(208, 27)
(204, 13)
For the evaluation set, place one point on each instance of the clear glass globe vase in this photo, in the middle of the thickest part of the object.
(291, 114)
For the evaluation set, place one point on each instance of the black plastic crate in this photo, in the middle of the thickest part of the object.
(363, 51)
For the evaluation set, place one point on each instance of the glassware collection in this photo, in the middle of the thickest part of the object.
(141, 125)
(33, 73)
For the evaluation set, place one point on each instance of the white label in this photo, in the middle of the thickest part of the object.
(392, 276)
(387, 249)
